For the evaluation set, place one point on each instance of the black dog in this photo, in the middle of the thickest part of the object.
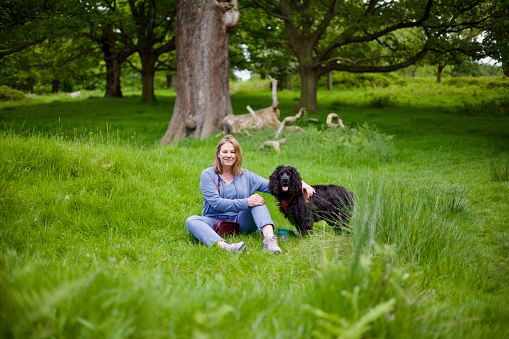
(331, 203)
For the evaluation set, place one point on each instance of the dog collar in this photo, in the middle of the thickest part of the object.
(284, 203)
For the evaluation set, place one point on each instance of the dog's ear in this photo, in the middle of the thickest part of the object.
(296, 182)
(274, 181)
(295, 173)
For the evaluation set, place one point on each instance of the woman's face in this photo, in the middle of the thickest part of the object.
(227, 155)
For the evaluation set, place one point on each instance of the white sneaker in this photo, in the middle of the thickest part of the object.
(271, 246)
(237, 247)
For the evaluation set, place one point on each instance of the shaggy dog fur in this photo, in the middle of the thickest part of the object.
(331, 203)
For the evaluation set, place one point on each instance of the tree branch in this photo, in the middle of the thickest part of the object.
(344, 40)
(373, 68)
(132, 65)
(317, 35)
(358, 63)
(268, 10)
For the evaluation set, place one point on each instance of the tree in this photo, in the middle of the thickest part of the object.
(257, 40)
(454, 49)
(104, 21)
(24, 24)
(37, 43)
(153, 36)
(497, 33)
(202, 34)
(364, 36)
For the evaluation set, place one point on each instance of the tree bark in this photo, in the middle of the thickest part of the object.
(169, 81)
(147, 77)
(113, 64)
(439, 73)
(308, 89)
(113, 57)
(54, 86)
(203, 99)
(329, 81)
(31, 83)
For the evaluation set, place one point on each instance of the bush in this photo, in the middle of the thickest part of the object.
(344, 80)
(381, 101)
(498, 107)
(492, 83)
(10, 94)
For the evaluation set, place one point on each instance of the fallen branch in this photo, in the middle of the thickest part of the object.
(330, 124)
(274, 144)
(259, 123)
(275, 103)
(255, 119)
(290, 120)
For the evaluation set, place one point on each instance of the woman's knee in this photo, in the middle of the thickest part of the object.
(192, 222)
(261, 215)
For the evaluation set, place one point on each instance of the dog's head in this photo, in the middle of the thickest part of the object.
(285, 182)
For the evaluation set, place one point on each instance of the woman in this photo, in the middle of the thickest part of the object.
(236, 200)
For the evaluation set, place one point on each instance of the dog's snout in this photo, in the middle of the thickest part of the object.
(285, 178)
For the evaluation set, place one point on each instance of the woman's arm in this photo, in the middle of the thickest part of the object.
(308, 190)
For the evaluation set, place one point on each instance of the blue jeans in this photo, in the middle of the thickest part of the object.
(250, 220)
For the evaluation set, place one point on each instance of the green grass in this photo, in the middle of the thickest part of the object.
(92, 220)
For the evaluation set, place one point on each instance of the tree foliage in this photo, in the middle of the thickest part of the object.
(497, 33)
(366, 36)
(24, 24)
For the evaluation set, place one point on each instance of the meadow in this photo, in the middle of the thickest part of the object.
(93, 241)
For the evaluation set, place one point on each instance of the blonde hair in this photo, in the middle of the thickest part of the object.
(237, 169)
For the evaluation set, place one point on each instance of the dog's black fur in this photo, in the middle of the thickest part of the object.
(331, 203)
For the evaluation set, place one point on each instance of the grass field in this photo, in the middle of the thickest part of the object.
(92, 220)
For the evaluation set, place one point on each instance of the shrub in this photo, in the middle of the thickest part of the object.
(344, 80)
(381, 101)
(496, 107)
(492, 83)
(10, 94)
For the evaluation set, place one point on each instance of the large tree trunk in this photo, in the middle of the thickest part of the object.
(113, 64)
(54, 86)
(439, 73)
(203, 99)
(169, 81)
(113, 89)
(308, 89)
(147, 77)
(31, 83)
(285, 83)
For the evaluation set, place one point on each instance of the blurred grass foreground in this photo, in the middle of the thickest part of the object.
(93, 241)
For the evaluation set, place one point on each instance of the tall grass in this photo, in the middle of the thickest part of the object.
(93, 240)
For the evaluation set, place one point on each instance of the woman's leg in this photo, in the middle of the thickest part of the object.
(202, 228)
(254, 219)
(258, 218)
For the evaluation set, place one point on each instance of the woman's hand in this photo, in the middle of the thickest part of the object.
(308, 190)
(255, 200)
